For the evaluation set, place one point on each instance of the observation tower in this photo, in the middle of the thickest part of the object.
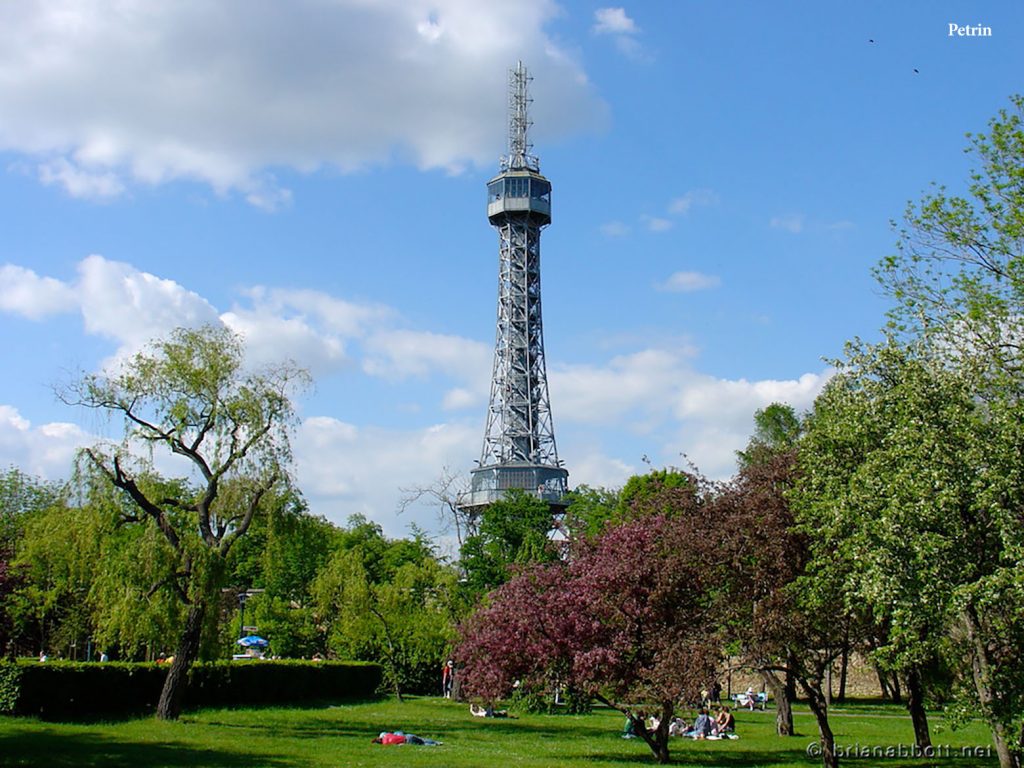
(519, 439)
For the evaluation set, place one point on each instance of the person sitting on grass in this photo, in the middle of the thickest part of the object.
(398, 737)
(701, 726)
(677, 727)
(724, 722)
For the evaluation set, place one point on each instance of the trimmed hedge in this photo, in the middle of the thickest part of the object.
(10, 684)
(59, 689)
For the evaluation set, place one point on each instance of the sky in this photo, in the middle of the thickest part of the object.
(312, 174)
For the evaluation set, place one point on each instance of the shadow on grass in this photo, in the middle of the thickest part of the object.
(32, 748)
(679, 755)
(744, 758)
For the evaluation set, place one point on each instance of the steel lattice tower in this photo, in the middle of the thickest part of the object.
(519, 439)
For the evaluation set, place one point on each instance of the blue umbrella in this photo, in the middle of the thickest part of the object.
(253, 641)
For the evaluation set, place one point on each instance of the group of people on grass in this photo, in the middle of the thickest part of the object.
(721, 725)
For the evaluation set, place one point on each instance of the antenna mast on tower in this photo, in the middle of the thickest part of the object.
(519, 146)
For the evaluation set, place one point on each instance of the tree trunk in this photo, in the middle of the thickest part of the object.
(844, 662)
(883, 683)
(915, 704)
(827, 741)
(783, 703)
(172, 697)
(981, 671)
(657, 739)
(790, 677)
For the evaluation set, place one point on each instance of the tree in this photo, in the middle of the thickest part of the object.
(281, 555)
(761, 555)
(590, 511)
(190, 395)
(511, 531)
(60, 554)
(776, 429)
(911, 485)
(627, 621)
(957, 277)
(445, 492)
(660, 491)
(388, 601)
(22, 497)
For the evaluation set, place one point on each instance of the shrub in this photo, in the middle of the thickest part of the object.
(10, 685)
(57, 690)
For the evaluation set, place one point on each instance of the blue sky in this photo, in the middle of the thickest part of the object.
(312, 174)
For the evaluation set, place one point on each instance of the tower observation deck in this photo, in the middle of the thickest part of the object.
(519, 439)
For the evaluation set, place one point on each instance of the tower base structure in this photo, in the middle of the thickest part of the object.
(490, 484)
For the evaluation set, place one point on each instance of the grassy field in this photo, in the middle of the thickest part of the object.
(339, 736)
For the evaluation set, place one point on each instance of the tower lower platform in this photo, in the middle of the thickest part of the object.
(490, 484)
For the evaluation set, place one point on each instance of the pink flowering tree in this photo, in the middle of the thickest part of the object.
(627, 621)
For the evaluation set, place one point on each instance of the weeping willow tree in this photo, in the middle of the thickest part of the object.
(189, 396)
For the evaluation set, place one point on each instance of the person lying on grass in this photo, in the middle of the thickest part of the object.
(398, 737)
(488, 711)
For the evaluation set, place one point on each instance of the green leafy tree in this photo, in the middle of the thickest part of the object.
(281, 555)
(590, 511)
(388, 601)
(512, 531)
(59, 552)
(190, 395)
(21, 498)
(776, 429)
(909, 487)
(660, 491)
(957, 277)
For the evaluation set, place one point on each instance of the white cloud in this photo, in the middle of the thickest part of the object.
(23, 292)
(599, 471)
(682, 205)
(740, 398)
(613, 21)
(123, 303)
(603, 394)
(46, 451)
(658, 397)
(101, 96)
(687, 282)
(656, 223)
(459, 399)
(307, 326)
(78, 181)
(271, 338)
(614, 229)
(397, 354)
(344, 469)
(793, 223)
(345, 318)
(651, 400)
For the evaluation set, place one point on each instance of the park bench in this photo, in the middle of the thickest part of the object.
(741, 700)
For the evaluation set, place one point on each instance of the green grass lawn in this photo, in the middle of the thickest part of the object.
(339, 736)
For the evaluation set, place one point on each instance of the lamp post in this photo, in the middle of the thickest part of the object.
(242, 597)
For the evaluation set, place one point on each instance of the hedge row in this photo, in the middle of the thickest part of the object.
(68, 689)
